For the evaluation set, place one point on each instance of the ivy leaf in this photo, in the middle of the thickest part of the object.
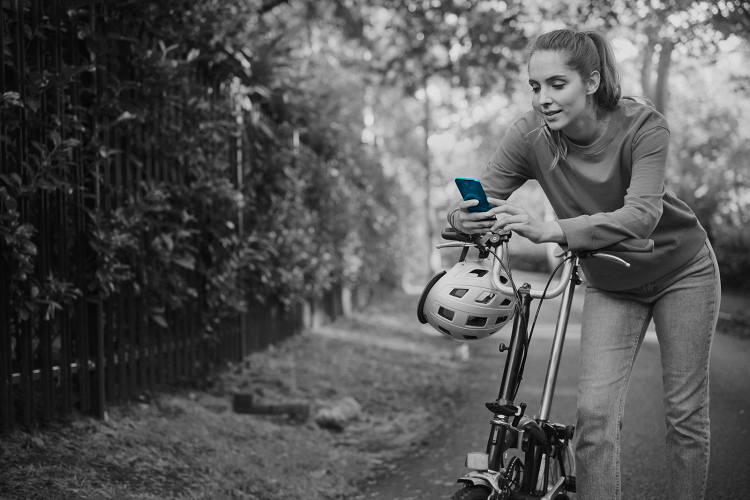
(55, 137)
(126, 116)
(12, 180)
(187, 262)
(106, 152)
(29, 248)
(33, 104)
(168, 241)
(12, 98)
(193, 54)
(10, 203)
(160, 320)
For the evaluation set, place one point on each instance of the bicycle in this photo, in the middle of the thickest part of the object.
(539, 454)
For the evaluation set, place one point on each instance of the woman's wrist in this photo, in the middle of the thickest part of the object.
(554, 233)
(454, 221)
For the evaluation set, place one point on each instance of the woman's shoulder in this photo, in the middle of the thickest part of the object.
(640, 111)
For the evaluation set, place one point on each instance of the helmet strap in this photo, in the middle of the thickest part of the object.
(464, 253)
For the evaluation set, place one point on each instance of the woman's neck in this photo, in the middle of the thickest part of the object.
(589, 128)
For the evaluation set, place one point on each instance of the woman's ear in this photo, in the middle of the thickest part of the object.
(593, 82)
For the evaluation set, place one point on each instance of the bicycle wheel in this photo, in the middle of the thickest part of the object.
(472, 493)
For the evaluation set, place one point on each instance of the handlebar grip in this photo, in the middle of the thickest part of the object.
(632, 245)
(451, 234)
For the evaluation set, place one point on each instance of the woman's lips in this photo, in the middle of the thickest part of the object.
(552, 113)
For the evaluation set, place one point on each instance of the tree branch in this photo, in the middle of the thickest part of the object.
(270, 5)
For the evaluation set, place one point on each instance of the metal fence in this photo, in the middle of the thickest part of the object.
(97, 350)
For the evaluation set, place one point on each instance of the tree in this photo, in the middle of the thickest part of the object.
(470, 44)
(664, 27)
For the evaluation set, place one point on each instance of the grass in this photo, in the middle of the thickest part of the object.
(191, 445)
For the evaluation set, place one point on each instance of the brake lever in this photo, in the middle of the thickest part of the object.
(606, 256)
(454, 244)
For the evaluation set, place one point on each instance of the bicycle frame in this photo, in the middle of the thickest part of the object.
(492, 474)
(542, 440)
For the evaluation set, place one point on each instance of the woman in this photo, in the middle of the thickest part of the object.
(600, 159)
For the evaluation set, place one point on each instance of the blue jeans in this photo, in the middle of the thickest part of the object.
(684, 306)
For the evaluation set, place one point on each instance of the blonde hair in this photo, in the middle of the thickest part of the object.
(586, 52)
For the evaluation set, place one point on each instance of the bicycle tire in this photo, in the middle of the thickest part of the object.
(472, 492)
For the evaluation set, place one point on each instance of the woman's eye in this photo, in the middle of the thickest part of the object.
(558, 86)
(535, 89)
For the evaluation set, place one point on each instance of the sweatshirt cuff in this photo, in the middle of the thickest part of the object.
(578, 232)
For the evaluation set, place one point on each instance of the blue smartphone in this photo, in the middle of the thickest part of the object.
(471, 189)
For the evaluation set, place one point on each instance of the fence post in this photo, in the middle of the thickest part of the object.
(6, 370)
(6, 365)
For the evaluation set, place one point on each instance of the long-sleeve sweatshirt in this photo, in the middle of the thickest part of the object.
(606, 192)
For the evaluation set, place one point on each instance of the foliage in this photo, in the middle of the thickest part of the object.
(709, 166)
(472, 44)
(215, 143)
(178, 97)
(44, 168)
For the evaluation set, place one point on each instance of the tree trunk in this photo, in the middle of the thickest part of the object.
(647, 68)
(661, 92)
(429, 214)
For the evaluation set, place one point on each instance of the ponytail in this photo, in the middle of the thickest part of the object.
(609, 92)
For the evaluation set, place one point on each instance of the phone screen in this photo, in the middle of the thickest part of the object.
(471, 189)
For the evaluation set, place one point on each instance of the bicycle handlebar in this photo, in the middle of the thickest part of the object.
(630, 245)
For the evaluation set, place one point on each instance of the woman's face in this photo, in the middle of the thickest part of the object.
(559, 93)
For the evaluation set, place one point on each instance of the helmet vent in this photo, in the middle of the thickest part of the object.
(479, 272)
(485, 298)
(445, 330)
(476, 321)
(501, 319)
(503, 280)
(446, 313)
(459, 292)
(506, 302)
(470, 337)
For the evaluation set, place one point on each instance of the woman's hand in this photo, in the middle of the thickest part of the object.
(473, 222)
(515, 218)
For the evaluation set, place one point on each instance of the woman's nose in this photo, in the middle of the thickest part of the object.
(544, 97)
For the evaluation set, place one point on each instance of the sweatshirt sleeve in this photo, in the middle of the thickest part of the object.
(643, 204)
(509, 168)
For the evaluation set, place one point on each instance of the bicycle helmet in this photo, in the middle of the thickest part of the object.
(462, 303)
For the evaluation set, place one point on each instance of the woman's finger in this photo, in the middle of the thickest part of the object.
(496, 202)
(464, 205)
(503, 220)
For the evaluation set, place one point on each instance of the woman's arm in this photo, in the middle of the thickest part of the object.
(643, 202)
(507, 170)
